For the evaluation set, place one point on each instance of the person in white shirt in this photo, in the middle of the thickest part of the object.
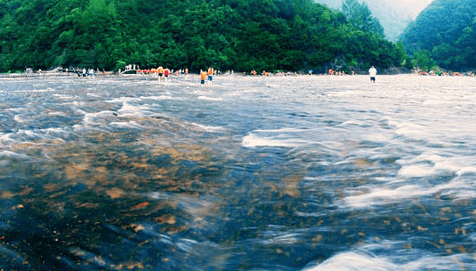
(373, 74)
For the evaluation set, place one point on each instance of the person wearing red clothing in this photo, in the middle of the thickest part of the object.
(166, 74)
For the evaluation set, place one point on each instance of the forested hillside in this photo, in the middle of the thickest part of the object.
(228, 34)
(393, 15)
(444, 34)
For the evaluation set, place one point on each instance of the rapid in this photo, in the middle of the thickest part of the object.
(250, 173)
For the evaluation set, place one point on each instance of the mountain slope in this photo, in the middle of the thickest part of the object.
(393, 15)
(446, 31)
(229, 34)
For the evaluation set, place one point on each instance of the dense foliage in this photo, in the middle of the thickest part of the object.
(393, 15)
(360, 16)
(444, 34)
(228, 34)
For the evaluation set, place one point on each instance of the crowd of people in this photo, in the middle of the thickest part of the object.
(161, 72)
(206, 76)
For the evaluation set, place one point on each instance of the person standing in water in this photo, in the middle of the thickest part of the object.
(203, 77)
(160, 72)
(210, 75)
(166, 74)
(373, 74)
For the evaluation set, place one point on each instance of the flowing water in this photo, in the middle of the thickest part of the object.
(250, 173)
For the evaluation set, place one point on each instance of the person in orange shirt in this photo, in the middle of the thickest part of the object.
(160, 72)
(210, 74)
(203, 77)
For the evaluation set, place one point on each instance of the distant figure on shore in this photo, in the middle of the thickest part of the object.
(373, 74)
(210, 75)
(203, 77)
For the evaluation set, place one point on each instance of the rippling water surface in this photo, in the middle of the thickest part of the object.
(284, 173)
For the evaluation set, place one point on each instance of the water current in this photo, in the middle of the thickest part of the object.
(250, 173)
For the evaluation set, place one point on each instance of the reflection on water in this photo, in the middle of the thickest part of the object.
(278, 173)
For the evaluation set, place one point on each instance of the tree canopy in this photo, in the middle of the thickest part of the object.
(227, 34)
(360, 16)
(444, 34)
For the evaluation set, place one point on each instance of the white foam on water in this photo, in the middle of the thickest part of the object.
(92, 95)
(15, 109)
(64, 97)
(56, 113)
(424, 157)
(346, 93)
(10, 154)
(53, 130)
(18, 119)
(467, 171)
(356, 261)
(352, 261)
(40, 90)
(128, 100)
(416, 171)
(282, 239)
(282, 130)
(411, 130)
(353, 123)
(283, 137)
(208, 128)
(126, 125)
(384, 195)
(253, 141)
(427, 164)
(134, 110)
(160, 98)
(424, 175)
(209, 98)
(364, 197)
(472, 237)
(6, 138)
(128, 109)
(94, 118)
(120, 100)
(28, 133)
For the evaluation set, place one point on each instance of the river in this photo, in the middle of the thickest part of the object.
(249, 173)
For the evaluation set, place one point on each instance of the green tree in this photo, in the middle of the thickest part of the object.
(446, 30)
(360, 16)
(423, 60)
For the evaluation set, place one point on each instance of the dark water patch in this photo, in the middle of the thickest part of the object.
(163, 160)
(299, 114)
(12, 260)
